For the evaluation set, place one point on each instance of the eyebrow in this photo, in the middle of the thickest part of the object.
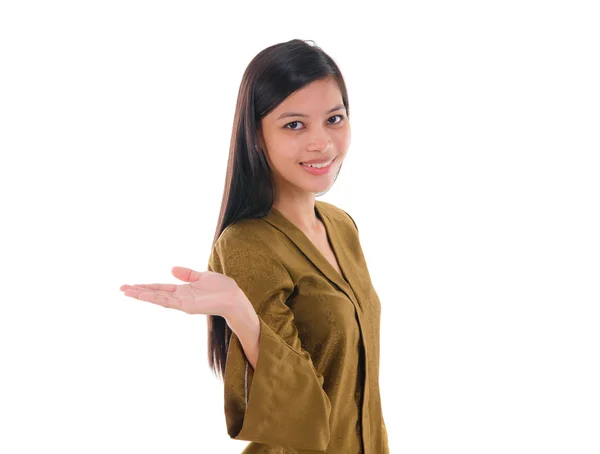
(294, 114)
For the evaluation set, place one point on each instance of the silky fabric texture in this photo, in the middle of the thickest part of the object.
(316, 383)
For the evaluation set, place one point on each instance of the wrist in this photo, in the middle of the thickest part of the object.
(242, 315)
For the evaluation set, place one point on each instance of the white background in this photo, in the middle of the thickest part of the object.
(472, 174)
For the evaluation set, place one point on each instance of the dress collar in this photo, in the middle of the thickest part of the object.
(299, 238)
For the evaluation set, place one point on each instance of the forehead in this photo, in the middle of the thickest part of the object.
(312, 100)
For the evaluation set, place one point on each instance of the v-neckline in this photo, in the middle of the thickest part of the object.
(330, 244)
(277, 218)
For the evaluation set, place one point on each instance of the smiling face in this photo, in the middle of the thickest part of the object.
(310, 124)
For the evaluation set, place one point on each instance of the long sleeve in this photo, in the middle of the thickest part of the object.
(282, 402)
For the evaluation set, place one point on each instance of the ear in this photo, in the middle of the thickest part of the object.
(260, 138)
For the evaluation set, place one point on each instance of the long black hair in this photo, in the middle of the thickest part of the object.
(273, 74)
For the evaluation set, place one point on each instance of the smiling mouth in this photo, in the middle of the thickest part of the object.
(321, 166)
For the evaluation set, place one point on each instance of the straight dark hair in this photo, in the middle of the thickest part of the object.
(273, 74)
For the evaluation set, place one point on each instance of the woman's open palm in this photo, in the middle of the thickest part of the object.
(207, 292)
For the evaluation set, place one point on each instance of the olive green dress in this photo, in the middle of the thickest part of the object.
(316, 383)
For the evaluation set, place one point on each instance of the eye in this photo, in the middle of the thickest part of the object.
(296, 122)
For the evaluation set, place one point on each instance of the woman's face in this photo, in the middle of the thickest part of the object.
(310, 124)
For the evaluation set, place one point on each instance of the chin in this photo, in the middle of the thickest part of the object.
(318, 189)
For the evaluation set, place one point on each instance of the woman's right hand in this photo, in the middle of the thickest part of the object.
(207, 292)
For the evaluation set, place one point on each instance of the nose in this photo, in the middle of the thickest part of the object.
(319, 141)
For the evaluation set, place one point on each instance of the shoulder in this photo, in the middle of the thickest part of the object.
(245, 234)
(244, 252)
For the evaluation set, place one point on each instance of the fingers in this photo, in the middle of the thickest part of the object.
(162, 294)
(185, 274)
(160, 299)
(156, 287)
(187, 305)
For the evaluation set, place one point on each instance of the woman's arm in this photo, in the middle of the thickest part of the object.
(261, 398)
(246, 326)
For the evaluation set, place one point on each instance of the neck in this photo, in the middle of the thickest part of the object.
(301, 213)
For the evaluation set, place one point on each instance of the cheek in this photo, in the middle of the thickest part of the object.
(342, 141)
(284, 155)
(286, 149)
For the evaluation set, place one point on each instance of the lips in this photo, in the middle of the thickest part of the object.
(318, 170)
(318, 161)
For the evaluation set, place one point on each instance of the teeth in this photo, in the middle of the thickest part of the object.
(318, 166)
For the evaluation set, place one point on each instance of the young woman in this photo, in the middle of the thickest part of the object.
(293, 318)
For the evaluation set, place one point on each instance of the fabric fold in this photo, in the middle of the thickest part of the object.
(282, 402)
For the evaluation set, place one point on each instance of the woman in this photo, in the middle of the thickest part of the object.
(293, 318)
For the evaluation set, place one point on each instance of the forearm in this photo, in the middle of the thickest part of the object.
(246, 326)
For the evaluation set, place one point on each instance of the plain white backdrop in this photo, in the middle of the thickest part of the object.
(473, 175)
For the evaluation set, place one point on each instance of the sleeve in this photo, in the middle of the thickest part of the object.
(282, 402)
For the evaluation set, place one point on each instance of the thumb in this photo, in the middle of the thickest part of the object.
(185, 274)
